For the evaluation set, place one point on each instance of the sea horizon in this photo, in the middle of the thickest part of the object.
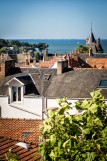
(62, 45)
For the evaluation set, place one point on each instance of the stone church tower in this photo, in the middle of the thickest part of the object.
(92, 43)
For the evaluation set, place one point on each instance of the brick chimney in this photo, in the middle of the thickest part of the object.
(34, 61)
(2, 70)
(5, 65)
(61, 66)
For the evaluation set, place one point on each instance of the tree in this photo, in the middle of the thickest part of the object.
(3, 50)
(3, 43)
(76, 137)
(42, 46)
(82, 49)
(15, 43)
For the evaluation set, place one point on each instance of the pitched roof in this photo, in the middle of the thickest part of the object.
(76, 84)
(24, 154)
(37, 75)
(48, 64)
(13, 131)
(21, 129)
(92, 38)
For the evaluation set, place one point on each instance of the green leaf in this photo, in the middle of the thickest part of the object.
(51, 113)
(93, 108)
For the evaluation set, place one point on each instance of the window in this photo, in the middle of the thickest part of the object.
(103, 83)
(16, 93)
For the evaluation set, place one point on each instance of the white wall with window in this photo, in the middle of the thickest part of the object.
(16, 91)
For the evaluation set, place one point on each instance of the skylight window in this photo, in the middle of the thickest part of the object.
(103, 83)
(46, 76)
(26, 134)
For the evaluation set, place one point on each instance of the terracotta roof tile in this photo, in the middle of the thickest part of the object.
(47, 64)
(13, 131)
(23, 154)
(27, 130)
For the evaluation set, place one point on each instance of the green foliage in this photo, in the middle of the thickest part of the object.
(10, 156)
(76, 137)
(82, 49)
(3, 50)
(3, 43)
(42, 46)
(21, 46)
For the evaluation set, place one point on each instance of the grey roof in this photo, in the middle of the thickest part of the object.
(25, 79)
(92, 38)
(76, 84)
(95, 55)
(36, 87)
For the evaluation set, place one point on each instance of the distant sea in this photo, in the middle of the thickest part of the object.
(63, 45)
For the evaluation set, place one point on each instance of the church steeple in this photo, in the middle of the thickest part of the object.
(93, 44)
(92, 39)
(91, 27)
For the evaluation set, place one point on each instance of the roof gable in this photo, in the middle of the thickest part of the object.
(23, 80)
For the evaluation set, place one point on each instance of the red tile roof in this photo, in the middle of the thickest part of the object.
(27, 130)
(23, 154)
(97, 62)
(13, 131)
(47, 64)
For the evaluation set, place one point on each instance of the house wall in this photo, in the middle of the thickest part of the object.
(33, 104)
(31, 108)
(23, 58)
(53, 103)
(54, 66)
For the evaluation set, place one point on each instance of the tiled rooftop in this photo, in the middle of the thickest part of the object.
(24, 154)
(17, 129)
(47, 64)
(13, 131)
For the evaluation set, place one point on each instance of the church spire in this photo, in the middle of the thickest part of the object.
(91, 26)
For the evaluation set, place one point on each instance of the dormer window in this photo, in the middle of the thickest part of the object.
(19, 86)
(103, 83)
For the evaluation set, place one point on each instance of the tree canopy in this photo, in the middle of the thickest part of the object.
(20, 46)
(82, 49)
(76, 137)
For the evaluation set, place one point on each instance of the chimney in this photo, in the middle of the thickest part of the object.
(61, 66)
(34, 61)
(69, 61)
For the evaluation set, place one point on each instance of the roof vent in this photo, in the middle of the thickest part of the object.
(23, 145)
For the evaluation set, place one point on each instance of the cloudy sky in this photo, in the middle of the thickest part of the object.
(52, 19)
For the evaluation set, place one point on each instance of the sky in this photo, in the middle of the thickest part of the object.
(52, 19)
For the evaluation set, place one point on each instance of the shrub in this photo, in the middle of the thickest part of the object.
(76, 137)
